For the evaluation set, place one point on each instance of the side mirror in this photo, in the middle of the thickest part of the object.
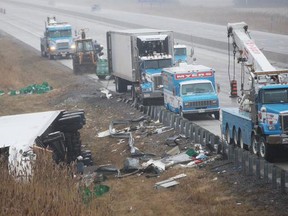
(218, 88)
(191, 52)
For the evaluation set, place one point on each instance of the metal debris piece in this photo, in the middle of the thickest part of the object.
(131, 164)
(169, 182)
(104, 133)
(160, 165)
(106, 92)
(173, 151)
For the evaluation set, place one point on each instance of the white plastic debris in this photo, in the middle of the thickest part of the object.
(104, 133)
(106, 92)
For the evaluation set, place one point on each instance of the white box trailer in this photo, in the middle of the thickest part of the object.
(53, 130)
(133, 53)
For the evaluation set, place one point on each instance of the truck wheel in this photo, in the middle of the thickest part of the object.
(120, 85)
(254, 147)
(227, 135)
(181, 113)
(265, 150)
(234, 134)
(102, 77)
(240, 140)
(51, 57)
(217, 115)
(76, 70)
(43, 53)
(262, 147)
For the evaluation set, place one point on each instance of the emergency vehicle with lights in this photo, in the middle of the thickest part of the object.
(136, 58)
(190, 89)
(261, 121)
(57, 40)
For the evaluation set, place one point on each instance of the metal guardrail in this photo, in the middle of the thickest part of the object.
(250, 164)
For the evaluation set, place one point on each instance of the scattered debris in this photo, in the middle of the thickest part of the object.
(173, 151)
(32, 89)
(106, 92)
(150, 164)
(104, 133)
(169, 182)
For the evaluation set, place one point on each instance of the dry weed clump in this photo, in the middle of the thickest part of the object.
(51, 191)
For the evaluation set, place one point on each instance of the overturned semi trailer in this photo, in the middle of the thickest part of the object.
(55, 131)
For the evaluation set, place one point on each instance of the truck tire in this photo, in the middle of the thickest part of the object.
(217, 115)
(254, 147)
(265, 150)
(101, 77)
(51, 57)
(234, 137)
(181, 113)
(43, 53)
(240, 140)
(227, 135)
(120, 85)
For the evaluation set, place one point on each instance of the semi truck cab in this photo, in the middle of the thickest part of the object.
(151, 82)
(57, 40)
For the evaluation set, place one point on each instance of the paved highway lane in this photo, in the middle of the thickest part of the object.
(217, 33)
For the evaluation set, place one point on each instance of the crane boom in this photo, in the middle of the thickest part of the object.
(248, 51)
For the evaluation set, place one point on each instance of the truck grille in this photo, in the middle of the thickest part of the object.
(64, 45)
(200, 104)
(284, 122)
(158, 83)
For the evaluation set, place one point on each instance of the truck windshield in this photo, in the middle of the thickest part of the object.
(179, 51)
(197, 88)
(84, 46)
(60, 33)
(159, 63)
(274, 96)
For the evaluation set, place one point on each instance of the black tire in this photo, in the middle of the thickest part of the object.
(51, 57)
(227, 135)
(181, 113)
(43, 53)
(217, 115)
(265, 150)
(101, 77)
(254, 146)
(240, 140)
(76, 70)
(120, 85)
(234, 136)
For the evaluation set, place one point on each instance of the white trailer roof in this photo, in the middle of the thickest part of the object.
(185, 68)
(18, 132)
(140, 31)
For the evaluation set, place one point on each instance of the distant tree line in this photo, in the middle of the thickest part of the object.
(260, 3)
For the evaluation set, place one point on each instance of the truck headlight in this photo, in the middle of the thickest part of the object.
(285, 140)
(214, 102)
(52, 48)
(73, 46)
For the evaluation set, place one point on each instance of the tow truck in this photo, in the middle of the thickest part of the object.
(261, 121)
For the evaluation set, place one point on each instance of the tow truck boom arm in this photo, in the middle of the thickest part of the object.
(247, 50)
